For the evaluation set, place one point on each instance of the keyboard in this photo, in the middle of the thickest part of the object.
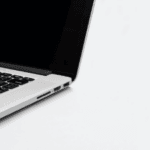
(9, 81)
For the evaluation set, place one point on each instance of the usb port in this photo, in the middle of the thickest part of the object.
(66, 84)
(57, 88)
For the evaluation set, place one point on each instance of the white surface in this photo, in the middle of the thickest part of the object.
(108, 107)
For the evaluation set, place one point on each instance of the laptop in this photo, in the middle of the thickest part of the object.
(41, 47)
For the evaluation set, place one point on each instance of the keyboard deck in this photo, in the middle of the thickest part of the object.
(9, 81)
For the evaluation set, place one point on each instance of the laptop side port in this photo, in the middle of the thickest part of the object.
(57, 88)
(66, 84)
(43, 95)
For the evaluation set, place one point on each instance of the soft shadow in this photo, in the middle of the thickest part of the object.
(12, 117)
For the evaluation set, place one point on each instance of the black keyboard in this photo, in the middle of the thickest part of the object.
(9, 81)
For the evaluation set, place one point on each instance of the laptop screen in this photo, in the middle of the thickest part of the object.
(44, 35)
(31, 31)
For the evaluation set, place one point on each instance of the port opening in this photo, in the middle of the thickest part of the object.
(43, 95)
(66, 84)
(57, 88)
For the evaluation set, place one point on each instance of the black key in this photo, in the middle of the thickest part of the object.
(5, 78)
(1, 75)
(11, 86)
(2, 83)
(29, 79)
(7, 74)
(16, 76)
(2, 78)
(3, 88)
(1, 91)
(19, 82)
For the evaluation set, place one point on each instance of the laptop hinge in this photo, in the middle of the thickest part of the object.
(38, 71)
(63, 73)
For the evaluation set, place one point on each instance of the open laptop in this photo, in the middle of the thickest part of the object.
(41, 46)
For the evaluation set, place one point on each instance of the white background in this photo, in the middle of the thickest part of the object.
(108, 107)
